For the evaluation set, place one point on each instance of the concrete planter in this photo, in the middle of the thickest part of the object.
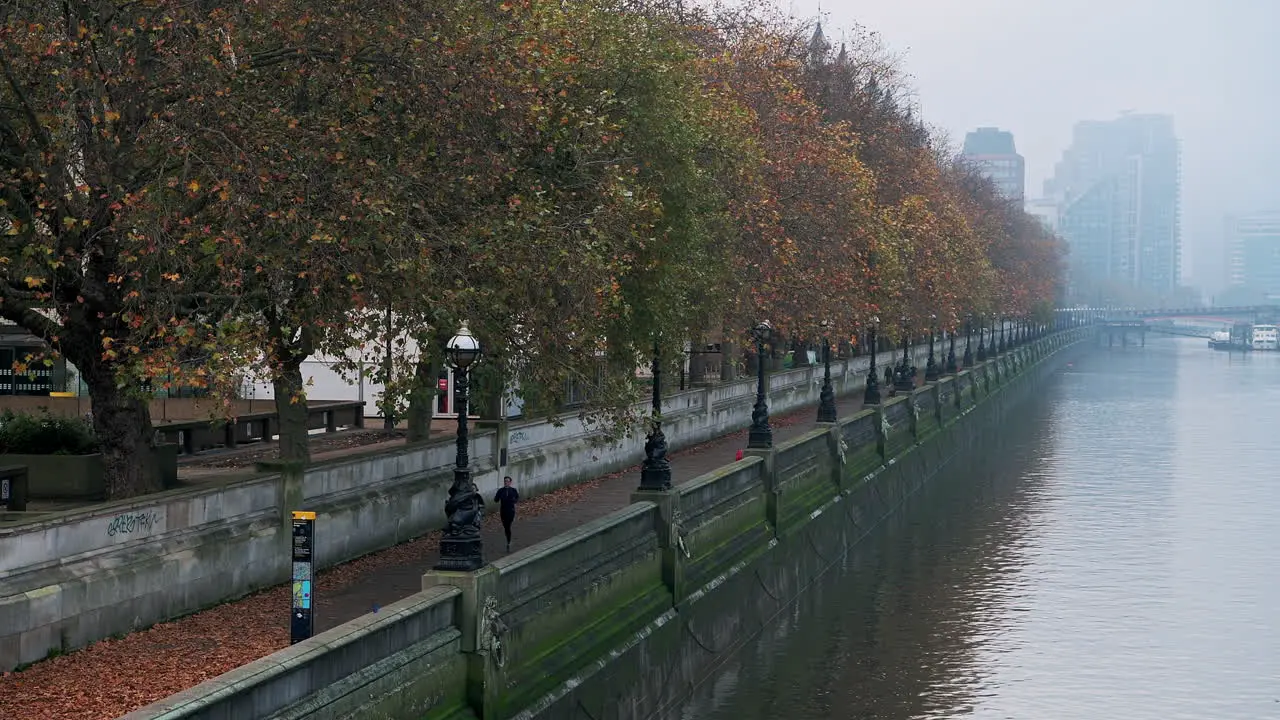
(79, 477)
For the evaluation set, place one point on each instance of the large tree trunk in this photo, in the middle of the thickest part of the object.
(422, 398)
(286, 350)
(123, 425)
(121, 418)
(291, 408)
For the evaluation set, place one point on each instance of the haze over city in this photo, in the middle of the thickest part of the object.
(1037, 68)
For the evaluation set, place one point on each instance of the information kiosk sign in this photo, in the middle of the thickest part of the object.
(302, 623)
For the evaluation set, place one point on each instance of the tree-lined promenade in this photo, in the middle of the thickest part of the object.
(190, 189)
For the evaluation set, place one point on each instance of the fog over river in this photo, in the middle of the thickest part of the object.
(1115, 559)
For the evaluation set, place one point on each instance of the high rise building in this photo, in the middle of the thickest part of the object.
(992, 151)
(1253, 257)
(1117, 189)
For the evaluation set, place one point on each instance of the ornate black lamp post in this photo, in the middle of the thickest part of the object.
(460, 545)
(905, 380)
(931, 366)
(1002, 346)
(827, 398)
(871, 396)
(951, 351)
(968, 342)
(761, 435)
(982, 339)
(655, 473)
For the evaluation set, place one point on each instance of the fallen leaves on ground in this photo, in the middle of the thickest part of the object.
(116, 676)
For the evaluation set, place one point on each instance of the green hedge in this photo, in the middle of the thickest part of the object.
(45, 435)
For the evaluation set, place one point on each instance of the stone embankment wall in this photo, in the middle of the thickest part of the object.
(68, 579)
(625, 614)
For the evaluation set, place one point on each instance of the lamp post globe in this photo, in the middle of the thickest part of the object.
(871, 395)
(461, 547)
(760, 435)
(827, 398)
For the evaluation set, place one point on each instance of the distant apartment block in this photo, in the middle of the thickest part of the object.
(992, 151)
(1117, 190)
(1253, 255)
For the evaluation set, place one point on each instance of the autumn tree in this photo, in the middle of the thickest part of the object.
(108, 228)
(601, 227)
(312, 147)
(201, 187)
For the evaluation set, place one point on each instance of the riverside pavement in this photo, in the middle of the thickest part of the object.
(386, 584)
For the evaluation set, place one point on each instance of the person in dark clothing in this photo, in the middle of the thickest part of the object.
(507, 498)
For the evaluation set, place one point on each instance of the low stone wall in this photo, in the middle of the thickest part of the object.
(623, 615)
(70, 578)
(402, 662)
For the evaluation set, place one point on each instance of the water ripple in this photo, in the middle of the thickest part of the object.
(1114, 559)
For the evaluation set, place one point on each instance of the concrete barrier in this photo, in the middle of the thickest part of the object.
(622, 616)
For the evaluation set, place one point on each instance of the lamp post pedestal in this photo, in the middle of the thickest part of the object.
(968, 344)
(461, 548)
(905, 380)
(655, 473)
(871, 394)
(931, 371)
(760, 436)
(827, 398)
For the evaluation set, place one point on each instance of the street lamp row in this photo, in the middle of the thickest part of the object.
(461, 547)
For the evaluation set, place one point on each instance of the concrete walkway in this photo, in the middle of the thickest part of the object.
(387, 583)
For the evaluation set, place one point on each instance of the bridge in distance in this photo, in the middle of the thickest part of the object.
(1195, 321)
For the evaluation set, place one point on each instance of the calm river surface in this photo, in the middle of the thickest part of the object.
(1120, 561)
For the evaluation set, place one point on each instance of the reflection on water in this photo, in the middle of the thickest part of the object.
(1114, 558)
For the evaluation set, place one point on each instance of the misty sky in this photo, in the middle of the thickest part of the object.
(1035, 67)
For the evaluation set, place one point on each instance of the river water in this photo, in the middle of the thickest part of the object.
(1115, 559)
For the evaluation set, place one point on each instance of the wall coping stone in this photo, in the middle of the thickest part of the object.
(713, 476)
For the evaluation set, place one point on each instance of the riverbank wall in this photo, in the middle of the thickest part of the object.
(624, 615)
(70, 578)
